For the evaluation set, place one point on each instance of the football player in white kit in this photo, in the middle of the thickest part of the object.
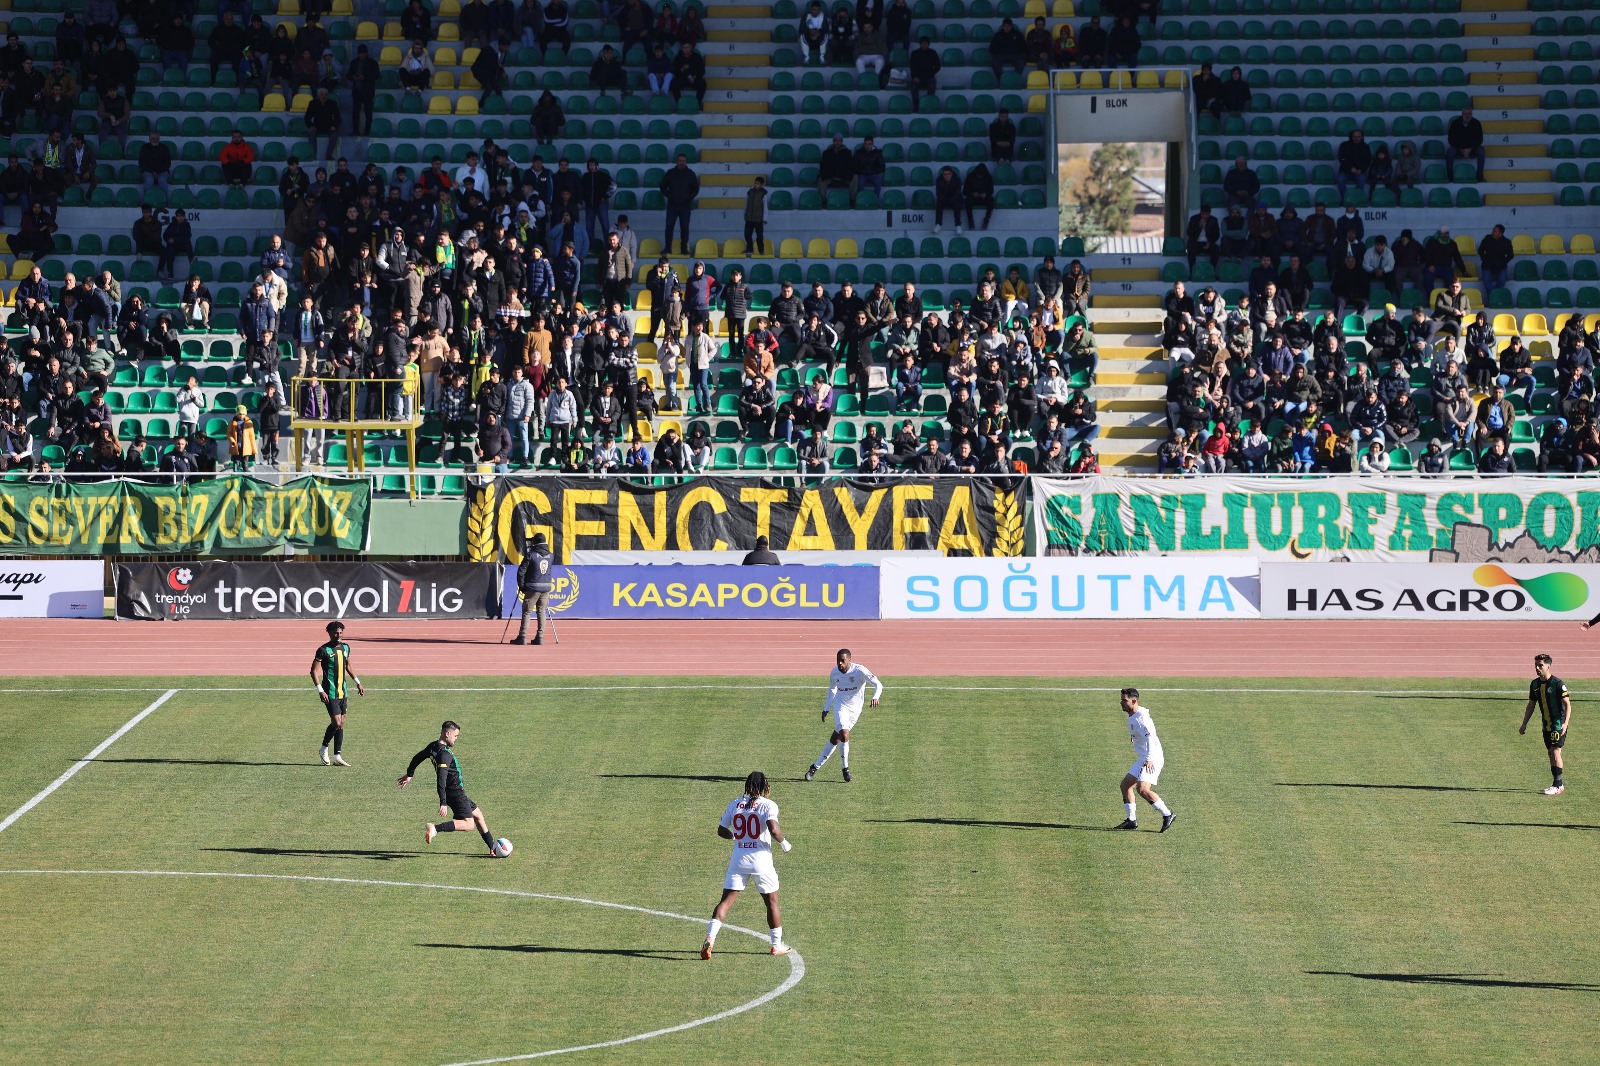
(1147, 761)
(846, 686)
(751, 822)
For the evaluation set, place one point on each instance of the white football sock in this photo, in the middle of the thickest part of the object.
(827, 753)
(711, 930)
(777, 936)
(1133, 812)
(844, 753)
(1161, 807)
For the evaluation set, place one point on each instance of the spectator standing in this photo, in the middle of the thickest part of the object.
(1355, 159)
(1494, 258)
(680, 186)
(836, 169)
(323, 121)
(923, 72)
(1203, 236)
(870, 165)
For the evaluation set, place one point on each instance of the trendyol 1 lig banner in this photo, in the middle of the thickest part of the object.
(1450, 591)
(1071, 588)
(699, 592)
(327, 591)
(1362, 519)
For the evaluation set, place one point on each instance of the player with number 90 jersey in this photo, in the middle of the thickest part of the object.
(747, 818)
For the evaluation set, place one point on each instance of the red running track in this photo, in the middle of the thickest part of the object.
(1185, 648)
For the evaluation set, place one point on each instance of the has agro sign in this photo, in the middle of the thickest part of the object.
(215, 590)
(1071, 588)
(707, 592)
(1489, 591)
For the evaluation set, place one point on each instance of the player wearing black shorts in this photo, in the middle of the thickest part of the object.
(1547, 693)
(453, 799)
(334, 689)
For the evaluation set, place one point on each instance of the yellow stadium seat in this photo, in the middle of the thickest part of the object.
(273, 102)
(390, 56)
(705, 248)
(646, 350)
(439, 105)
(1039, 103)
(11, 295)
(653, 373)
(1505, 325)
(672, 424)
(1466, 245)
(1534, 325)
(445, 57)
(391, 31)
(451, 32)
(644, 301)
(1090, 79)
(1552, 244)
(1592, 322)
(21, 269)
(1038, 79)
(469, 56)
(342, 7)
(1582, 244)
(300, 103)
(443, 79)
(847, 249)
(1065, 79)
(791, 248)
(1148, 79)
(289, 8)
(1063, 9)
(1540, 350)
(1174, 79)
(5, 247)
(818, 248)
(468, 81)
(1522, 244)
(649, 248)
(366, 31)
(467, 105)
(1033, 9)
(733, 248)
(1562, 319)
(450, 9)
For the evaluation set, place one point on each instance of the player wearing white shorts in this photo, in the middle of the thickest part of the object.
(847, 687)
(751, 822)
(1148, 759)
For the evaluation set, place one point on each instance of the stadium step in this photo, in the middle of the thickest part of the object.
(736, 107)
(1128, 274)
(738, 60)
(1500, 55)
(1519, 199)
(1494, 5)
(1503, 77)
(733, 131)
(1144, 377)
(738, 11)
(1515, 174)
(1135, 404)
(1505, 103)
(1497, 29)
(1512, 125)
(745, 84)
(750, 36)
(722, 203)
(1099, 301)
(738, 155)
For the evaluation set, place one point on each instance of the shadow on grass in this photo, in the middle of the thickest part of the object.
(1533, 825)
(204, 762)
(630, 953)
(986, 824)
(714, 778)
(378, 855)
(1469, 980)
(1405, 788)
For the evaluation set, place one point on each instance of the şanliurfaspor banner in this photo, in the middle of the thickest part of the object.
(1360, 519)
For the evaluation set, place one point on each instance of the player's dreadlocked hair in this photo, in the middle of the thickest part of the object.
(755, 786)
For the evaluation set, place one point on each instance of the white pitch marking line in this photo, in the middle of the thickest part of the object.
(812, 688)
(11, 818)
(797, 965)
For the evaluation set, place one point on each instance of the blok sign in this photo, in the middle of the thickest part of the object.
(1451, 591)
(1070, 588)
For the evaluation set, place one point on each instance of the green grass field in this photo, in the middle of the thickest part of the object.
(1355, 876)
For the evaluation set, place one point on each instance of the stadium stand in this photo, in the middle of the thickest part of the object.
(1317, 74)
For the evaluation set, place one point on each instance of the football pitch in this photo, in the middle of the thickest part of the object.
(1361, 871)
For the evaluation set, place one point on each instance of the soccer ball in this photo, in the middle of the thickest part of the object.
(502, 847)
